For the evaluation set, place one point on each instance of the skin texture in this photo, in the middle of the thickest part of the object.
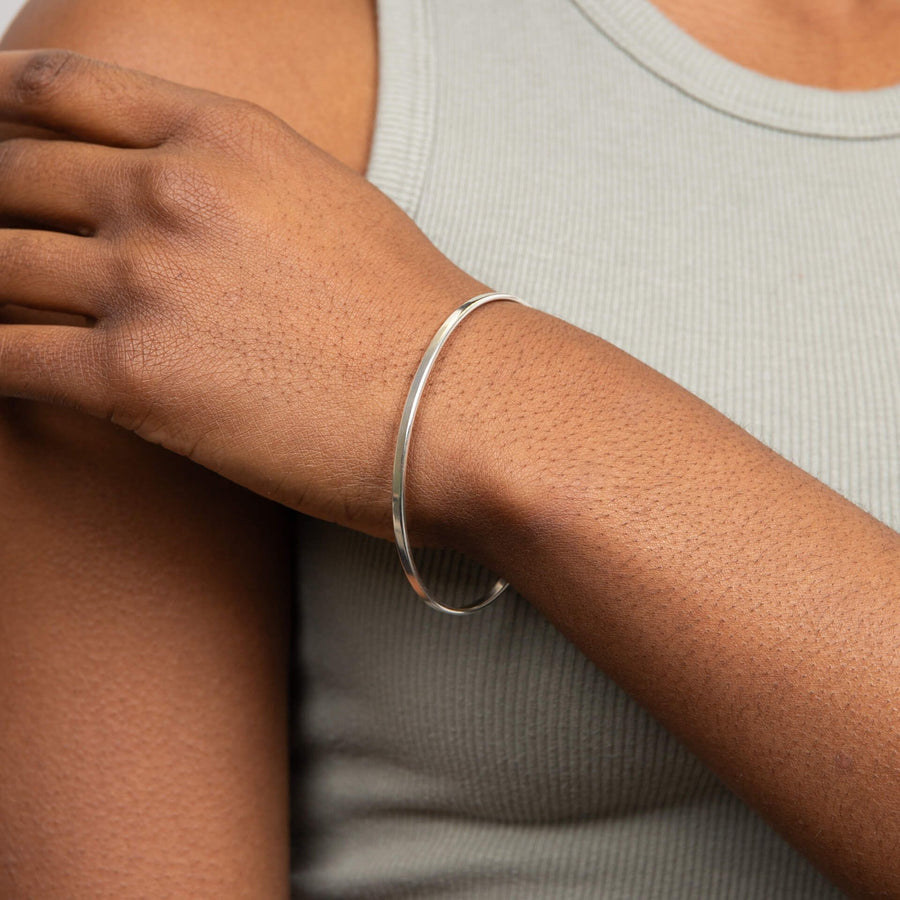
(751, 609)
(766, 609)
(838, 44)
(219, 250)
(144, 601)
(775, 661)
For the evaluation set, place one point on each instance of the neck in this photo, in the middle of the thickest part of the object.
(836, 44)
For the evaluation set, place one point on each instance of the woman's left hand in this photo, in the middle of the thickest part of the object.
(252, 303)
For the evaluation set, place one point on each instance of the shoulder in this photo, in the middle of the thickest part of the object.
(311, 62)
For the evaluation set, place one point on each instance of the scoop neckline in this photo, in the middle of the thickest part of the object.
(662, 47)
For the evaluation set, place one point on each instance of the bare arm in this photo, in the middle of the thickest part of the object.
(753, 610)
(142, 673)
(143, 600)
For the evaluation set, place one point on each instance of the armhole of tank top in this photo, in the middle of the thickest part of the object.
(404, 114)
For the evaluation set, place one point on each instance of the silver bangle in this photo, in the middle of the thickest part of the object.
(400, 457)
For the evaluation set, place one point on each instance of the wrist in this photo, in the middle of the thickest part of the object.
(463, 483)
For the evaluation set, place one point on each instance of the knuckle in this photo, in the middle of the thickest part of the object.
(176, 191)
(130, 365)
(42, 73)
(230, 124)
(145, 278)
(124, 362)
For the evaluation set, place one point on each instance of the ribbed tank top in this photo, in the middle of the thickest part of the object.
(737, 233)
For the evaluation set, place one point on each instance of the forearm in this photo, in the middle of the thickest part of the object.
(750, 608)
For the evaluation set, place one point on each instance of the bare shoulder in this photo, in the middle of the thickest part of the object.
(311, 62)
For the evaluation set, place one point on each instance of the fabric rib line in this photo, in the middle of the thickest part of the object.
(663, 48)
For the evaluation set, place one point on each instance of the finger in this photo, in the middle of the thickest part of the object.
(58, 184)
(52, 270)
(52, 364)
(92, 100)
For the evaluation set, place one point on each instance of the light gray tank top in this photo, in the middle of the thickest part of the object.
(739, 234)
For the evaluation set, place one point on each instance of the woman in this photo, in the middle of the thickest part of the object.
(261, 309)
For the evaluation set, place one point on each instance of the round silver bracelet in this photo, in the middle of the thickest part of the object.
(402, 451)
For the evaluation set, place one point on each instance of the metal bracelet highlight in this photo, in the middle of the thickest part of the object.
(402, 451)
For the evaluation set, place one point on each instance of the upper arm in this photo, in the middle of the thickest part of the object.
(311, 62)
(143, 600)
(142, 670)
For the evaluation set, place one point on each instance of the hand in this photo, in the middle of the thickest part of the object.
(250, 302)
